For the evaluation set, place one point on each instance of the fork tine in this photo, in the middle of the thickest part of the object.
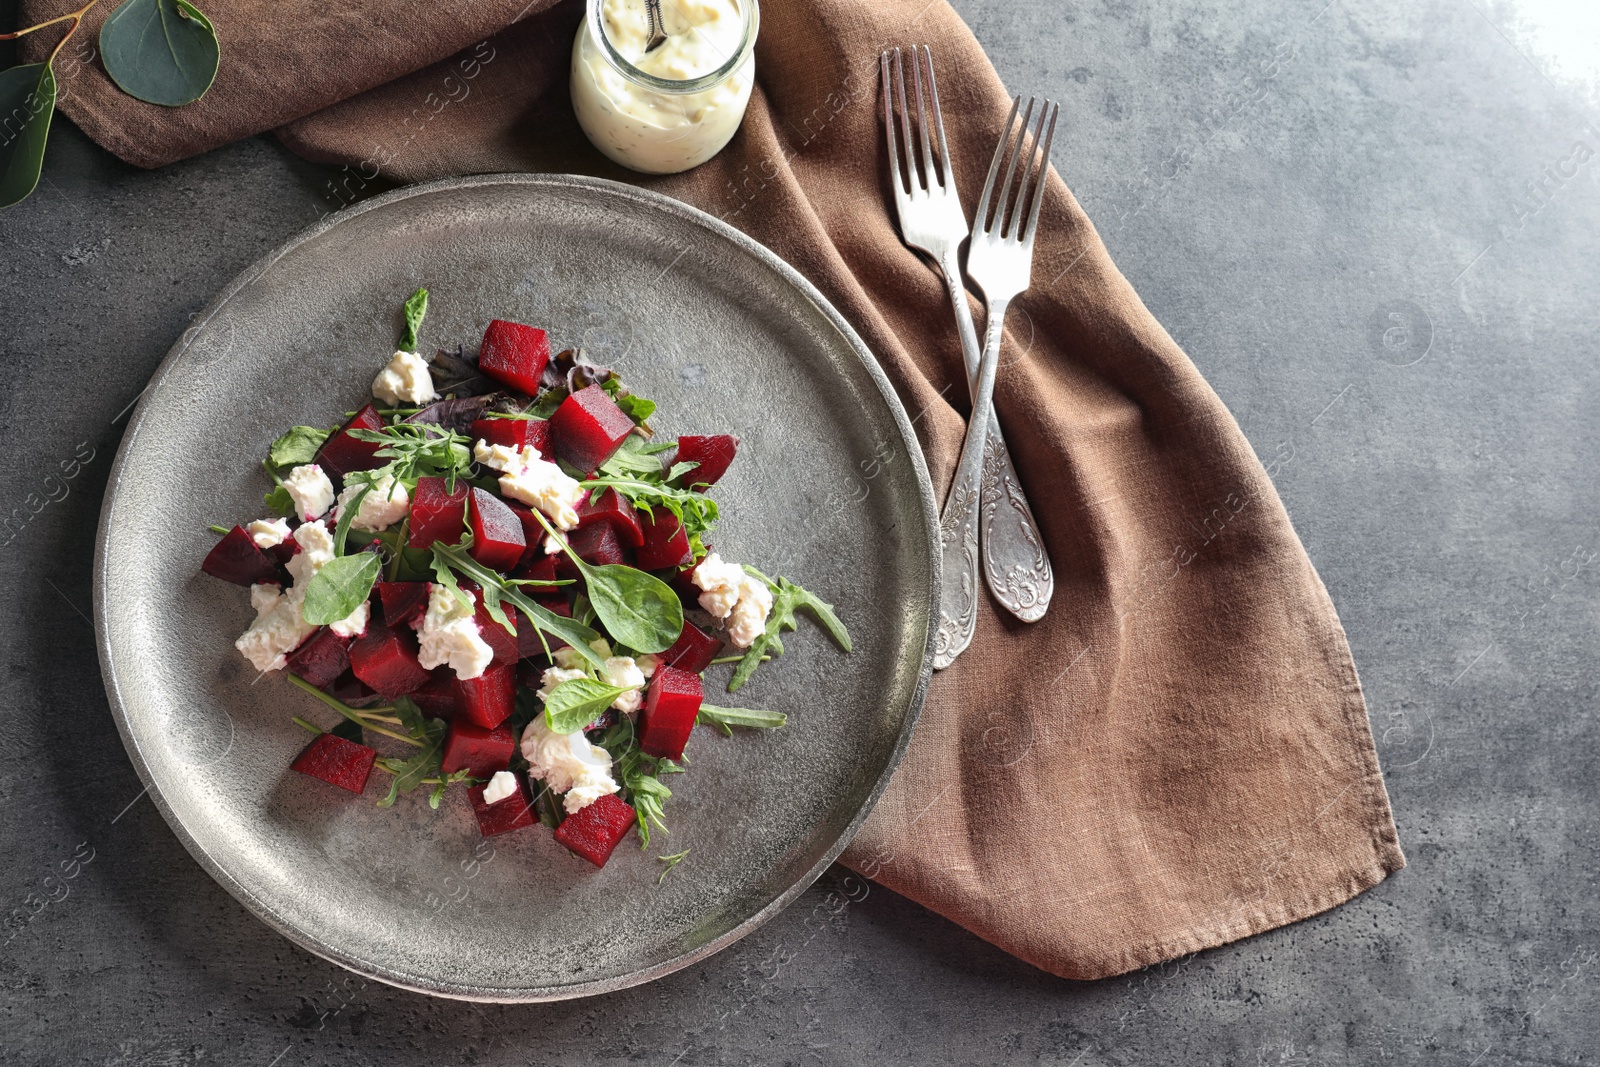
(938, 119)
(1042, 172)
(981, 221)
(905, 123)
(888, 126)
(928, 172)
(1008, 228)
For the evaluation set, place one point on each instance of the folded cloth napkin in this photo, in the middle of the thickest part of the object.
(1178, 755)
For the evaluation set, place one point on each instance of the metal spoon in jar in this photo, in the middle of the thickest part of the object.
(658, 25)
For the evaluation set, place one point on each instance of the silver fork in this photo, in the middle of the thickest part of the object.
(1000, 260)
(931, 219)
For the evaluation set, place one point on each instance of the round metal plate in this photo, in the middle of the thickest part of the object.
(829, 488)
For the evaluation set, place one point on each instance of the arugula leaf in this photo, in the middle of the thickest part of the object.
(420, 450)
(633, 458)
(445, 781)
(679, 470)
(340, 587)
(637, 609)
(671, 862)
(722, 718)
(341, 529)
(298, 446)
(576, 703)
(410, 773)
(697, 511)
(638, 773)
(787, 599)
(416, 308)
(636, 408)
(495, 589)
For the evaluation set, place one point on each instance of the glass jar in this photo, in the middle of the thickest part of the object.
(676, 106)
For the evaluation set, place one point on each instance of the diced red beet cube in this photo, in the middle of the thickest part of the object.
(595, 830)
(343, 452)
(496, 636)
(322, 658)
(608, 506)
(353, 691)
(337, 762)
(236, 559)
(670, 706)
(665, 543)
(490, 698)
(540, 568)
(404, 603)
(437, 514)
(497, 540)
(693, 651)
(385, 658)
(514, 433)
(510, 813)
(588, 427)
(478, 751)
(712, 451)
(599, 545)
(437, 697)
(514, 354)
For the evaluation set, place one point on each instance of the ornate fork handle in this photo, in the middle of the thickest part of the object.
(958, 523)
(1015, 561)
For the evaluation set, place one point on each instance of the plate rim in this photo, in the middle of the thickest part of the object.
(647, 199)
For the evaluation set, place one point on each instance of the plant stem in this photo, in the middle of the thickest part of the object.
(74, 17)
(353, 714)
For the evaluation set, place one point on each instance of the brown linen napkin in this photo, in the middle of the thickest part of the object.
(1178, 755)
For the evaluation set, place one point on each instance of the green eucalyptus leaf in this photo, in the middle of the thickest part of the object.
(27, 101)
(160, 51)
(340, 586)
(574, 704)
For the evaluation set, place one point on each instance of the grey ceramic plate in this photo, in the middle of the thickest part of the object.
(828, 487)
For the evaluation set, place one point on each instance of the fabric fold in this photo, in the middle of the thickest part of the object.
(1178, 755)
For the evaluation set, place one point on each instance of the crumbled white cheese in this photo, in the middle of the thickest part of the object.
(748, 620)
(624, 673)
(450, 635)
(568, 764)
(732, 595)
(502, 784)
(405, 379)
(648, 664)
(268, 533)
(385, 504)
(535, 482)
(354, 624)
(310, 490)
(554, 676)
(278, 629)
(280, 624)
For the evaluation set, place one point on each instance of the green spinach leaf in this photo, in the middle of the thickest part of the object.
(574, 704)
(295, 448)
(416, 308)
(636, 608)
(340, 586)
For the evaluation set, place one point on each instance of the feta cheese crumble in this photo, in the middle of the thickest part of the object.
(268, 533)
(280, 625)
(737, 598)
(450, 635)
(385, 504)
(404, 380)
(533, 481)
(310, 490)
(501, 785)
(568, 764)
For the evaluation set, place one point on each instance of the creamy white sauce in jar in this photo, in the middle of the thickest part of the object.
(666, 110)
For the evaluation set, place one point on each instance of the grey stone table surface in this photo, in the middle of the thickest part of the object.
(1374, 228)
